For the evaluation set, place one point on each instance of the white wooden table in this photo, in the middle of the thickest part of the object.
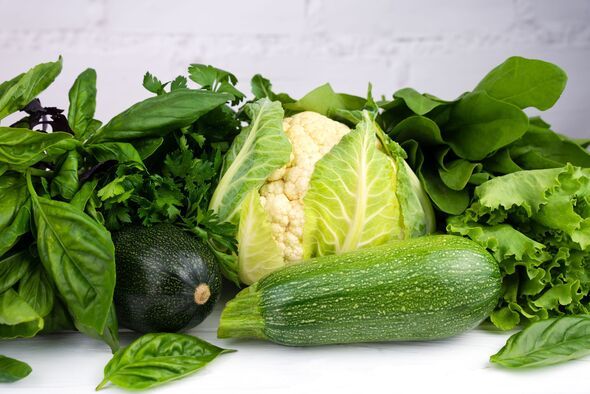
(71, 363)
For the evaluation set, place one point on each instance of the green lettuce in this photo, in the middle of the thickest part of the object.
(537, 225)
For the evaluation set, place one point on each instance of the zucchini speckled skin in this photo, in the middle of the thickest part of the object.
(417, 289)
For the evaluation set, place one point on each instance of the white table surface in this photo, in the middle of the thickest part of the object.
(72, 363)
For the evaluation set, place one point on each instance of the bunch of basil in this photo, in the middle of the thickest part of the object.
(57, 267)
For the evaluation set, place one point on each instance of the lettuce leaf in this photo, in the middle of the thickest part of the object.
(537, 225)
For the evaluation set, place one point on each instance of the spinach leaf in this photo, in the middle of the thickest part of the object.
(546, 342)
(82, 102)
(418, 128)
(13, 268)
(525, 83)
(419, 103)
(17, 318)
(78, 254)
(66, 182)
(36, 290)
(12, 370)
(157, 116)
(480, 125)
(154, 359)
(24, 147)
(21, 90)
(325, 101)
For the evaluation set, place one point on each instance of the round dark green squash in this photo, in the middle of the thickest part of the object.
(167, 279)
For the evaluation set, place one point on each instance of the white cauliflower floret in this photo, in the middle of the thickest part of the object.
(312, 136)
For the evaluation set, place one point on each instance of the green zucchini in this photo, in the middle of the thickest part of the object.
(417, 289)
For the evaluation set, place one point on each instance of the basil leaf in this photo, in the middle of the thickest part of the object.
(27, 87)
(13, 194)
(12, 370)
(525, 83)
(36, 290)
(81, 198)
(546, 342)
(78, 254)
(66, 182)
(17, 318)
(58, 319)
(13, 268)
(157, 116)
(480, 125)
(82, 102)
(154, 359)
(147, 146)
(24, 147)
(122, 152)
(19, 226)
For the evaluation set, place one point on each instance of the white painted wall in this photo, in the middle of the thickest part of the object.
(440, 46)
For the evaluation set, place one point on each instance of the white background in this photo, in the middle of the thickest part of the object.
(443, 47)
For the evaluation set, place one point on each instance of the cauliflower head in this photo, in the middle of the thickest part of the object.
(312, 136)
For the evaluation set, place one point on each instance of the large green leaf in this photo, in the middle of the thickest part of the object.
(258, 254)
(546, 342)
(19, 226)
(17, 318)
(419, 103)
(12, 370)
(351, 201)
(23, 147)
(18, 92)
(479, 125)
(157, 116)
(154, 359)
(78, 254)
(525, 83)
(256, 152)
(82, 102)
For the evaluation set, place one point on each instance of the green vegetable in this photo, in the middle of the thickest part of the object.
(256, 152)
(546, 342)
(17, 318)
(12, 370)
(18, 92)
(453, 146)
(167, 279)
(154, 359)
(537, 225)
(78, 254)
(158, 116)
(82, 103)
(416, 289)
(351, 201)
(525, 83)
